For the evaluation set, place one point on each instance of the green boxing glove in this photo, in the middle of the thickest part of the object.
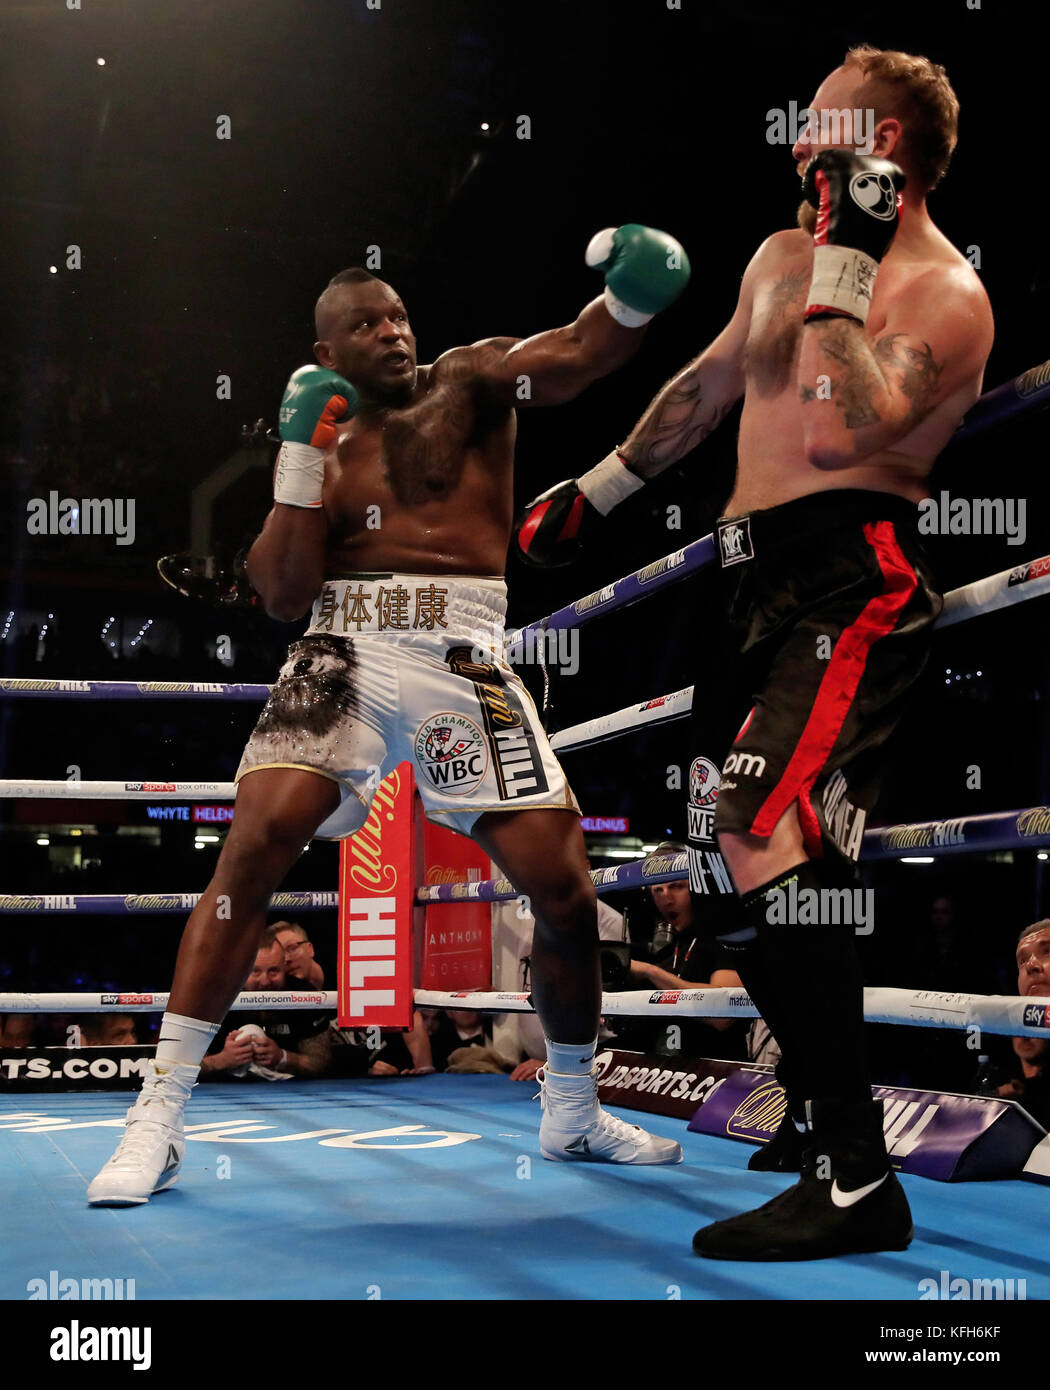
(316, 401)
(645, 271)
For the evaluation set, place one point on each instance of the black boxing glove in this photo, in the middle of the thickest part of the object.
(857, 198)
(549, 531)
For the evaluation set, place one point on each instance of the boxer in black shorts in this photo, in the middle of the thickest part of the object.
(829, 602)
(857, 345)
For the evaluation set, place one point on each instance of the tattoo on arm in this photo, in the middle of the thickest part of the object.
(854, 384)
(675, 422)
(918, 375)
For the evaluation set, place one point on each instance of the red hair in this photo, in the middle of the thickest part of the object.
(918, 93)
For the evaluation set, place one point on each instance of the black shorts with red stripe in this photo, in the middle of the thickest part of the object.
(829, 604)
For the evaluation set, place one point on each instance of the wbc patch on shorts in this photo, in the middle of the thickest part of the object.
(451, 752)
(516, 760)
(707, 871)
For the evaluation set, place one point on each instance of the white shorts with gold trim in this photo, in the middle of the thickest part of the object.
(409, 667)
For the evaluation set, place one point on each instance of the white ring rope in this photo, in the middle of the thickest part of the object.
(1009, 1015)
(118, 791)
(154, 1002)
(1013, 1016)
(1002, 590)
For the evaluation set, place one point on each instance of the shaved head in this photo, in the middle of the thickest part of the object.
(333, 297)
(363, 333)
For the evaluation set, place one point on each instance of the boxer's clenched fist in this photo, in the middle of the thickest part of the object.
(857, 198)
(645, 271)
(316, 401)
(549, 533)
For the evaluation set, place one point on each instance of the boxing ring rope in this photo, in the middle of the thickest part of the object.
(131, 690)
(1001, 1014)
(1027, 392)
(995, 830)
(1006, 1014)
(1028, 828)
(972, 600)
(996, 591)
(1023, 394)
(149, 1002)
(35, 788)
(150, 904)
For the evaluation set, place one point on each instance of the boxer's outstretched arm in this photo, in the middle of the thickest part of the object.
(688, 408)
(548, 368)
(286, 563)
(695, 400)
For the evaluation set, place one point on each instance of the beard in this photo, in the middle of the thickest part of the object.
(397, 395)
(387, 395)
(807, 217)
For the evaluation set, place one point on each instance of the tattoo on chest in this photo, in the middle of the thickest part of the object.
(424, 447)
(772, 348)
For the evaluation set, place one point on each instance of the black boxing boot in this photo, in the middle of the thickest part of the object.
(848, 1200)
(783, 1153)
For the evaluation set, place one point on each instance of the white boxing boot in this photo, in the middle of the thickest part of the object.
(574, 1126)
(150, 1154)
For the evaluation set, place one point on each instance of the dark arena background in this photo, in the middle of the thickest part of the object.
(180, 179)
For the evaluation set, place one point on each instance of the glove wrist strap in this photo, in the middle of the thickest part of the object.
(623, 313)
(608, 483)
(298, 478)
(842, 284)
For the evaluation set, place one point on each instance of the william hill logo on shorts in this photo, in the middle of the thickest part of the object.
(516, 759)
(451, 753)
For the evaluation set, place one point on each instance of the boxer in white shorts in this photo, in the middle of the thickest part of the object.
(393, 508)
(415, 673)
